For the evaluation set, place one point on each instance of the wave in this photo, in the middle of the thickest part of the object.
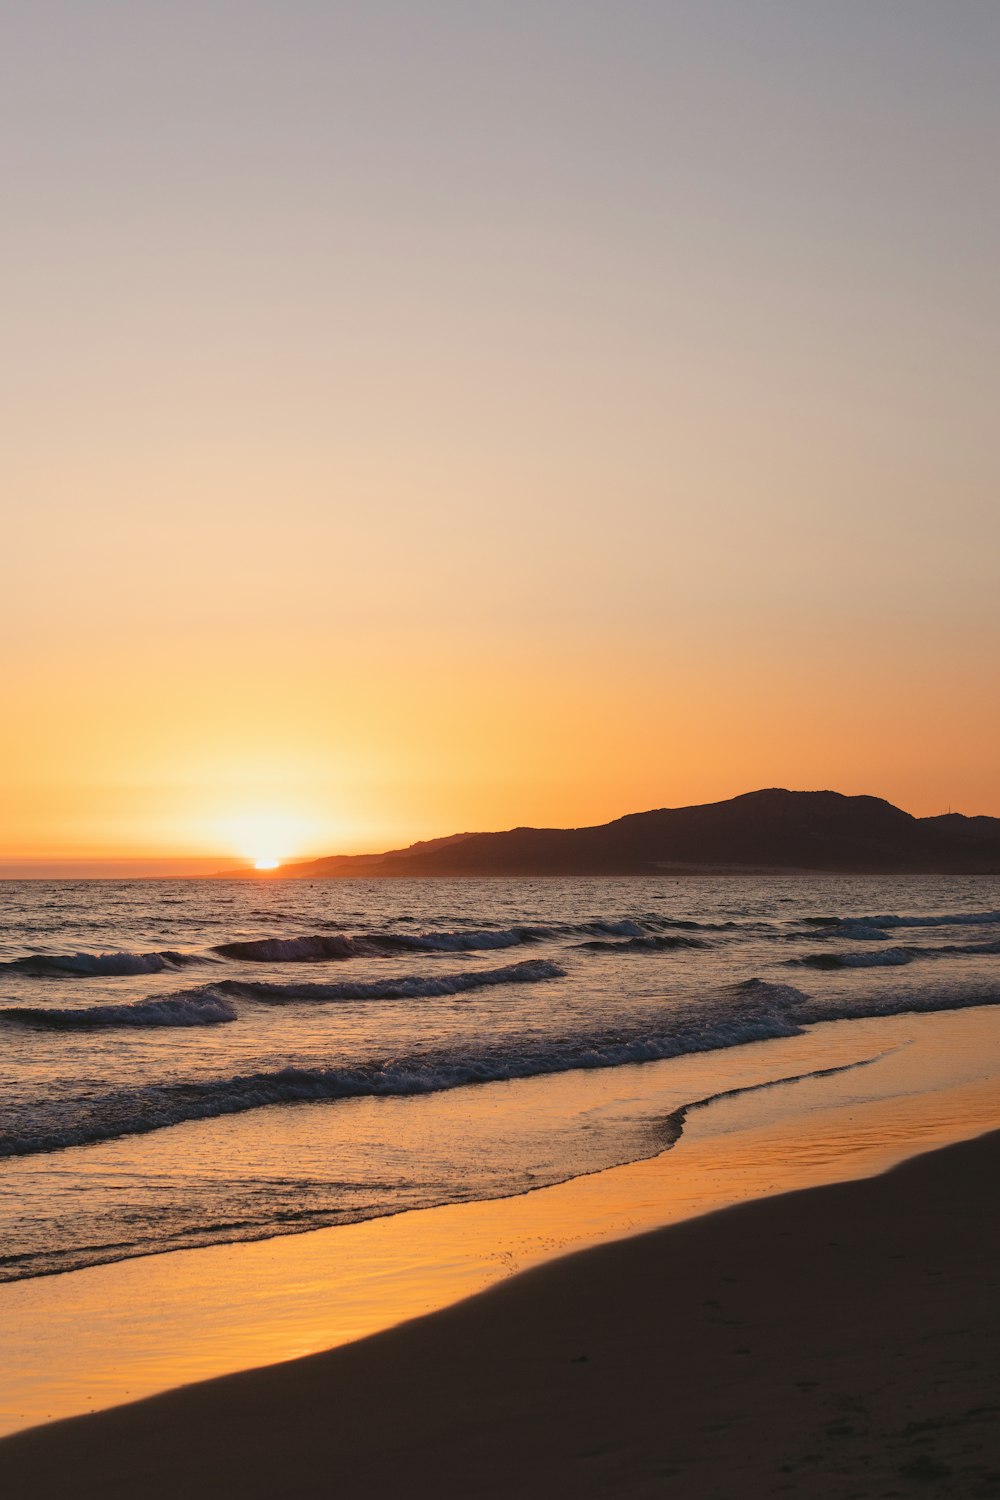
(766, 991)
(896, 956)
(881, 958)
(754, 1010)
(652, 943)
(810, 1011)
(334, 946)
(294, 950)
(846, 926)
(834, 928)
(324, 948)
(94, 965)
(863, 1007)
(200, 1008)
(408, 987)
(278, 1218)
(64, 1122)
(321, 948)
(211, 1007)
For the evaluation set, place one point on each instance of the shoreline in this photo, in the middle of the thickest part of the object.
(837, 1338)
(674, 1124)
(99, 1337)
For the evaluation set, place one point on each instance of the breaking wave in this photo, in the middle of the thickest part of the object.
(756, 1012)
(753, 1010)
(809, 1011)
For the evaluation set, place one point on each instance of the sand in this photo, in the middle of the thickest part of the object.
(839, 1341)
(115, 1333)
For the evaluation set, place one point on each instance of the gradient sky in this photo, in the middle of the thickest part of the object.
(423, 416)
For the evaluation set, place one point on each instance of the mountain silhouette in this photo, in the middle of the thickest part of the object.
(766, 830)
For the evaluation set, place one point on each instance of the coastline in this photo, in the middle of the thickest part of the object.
(99, 1337)
(836, 1338)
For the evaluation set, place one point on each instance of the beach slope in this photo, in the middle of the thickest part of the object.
(838, 1341)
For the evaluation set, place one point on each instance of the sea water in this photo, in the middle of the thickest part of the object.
(192, 1062)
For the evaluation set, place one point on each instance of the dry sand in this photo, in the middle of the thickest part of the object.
(839, 1341)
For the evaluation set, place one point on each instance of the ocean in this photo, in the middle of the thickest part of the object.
(191, 1062)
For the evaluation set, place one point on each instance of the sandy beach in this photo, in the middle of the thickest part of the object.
(837, 1341)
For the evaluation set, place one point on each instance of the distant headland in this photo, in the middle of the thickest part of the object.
(770, 830)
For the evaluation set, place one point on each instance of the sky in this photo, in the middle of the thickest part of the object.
(432, 415)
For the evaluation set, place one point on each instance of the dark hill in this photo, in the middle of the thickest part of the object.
(766, 830)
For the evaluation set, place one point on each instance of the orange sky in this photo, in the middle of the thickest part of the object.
(424, 420)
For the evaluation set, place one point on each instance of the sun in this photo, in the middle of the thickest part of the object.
(266, 836)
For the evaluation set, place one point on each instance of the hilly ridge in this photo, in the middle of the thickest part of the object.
(772, 829)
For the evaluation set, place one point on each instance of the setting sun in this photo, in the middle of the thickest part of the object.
(267, 837)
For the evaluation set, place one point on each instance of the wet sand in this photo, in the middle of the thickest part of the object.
(839, 1341)
(100, 1337)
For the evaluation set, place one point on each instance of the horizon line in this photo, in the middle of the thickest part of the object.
(165, 866)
